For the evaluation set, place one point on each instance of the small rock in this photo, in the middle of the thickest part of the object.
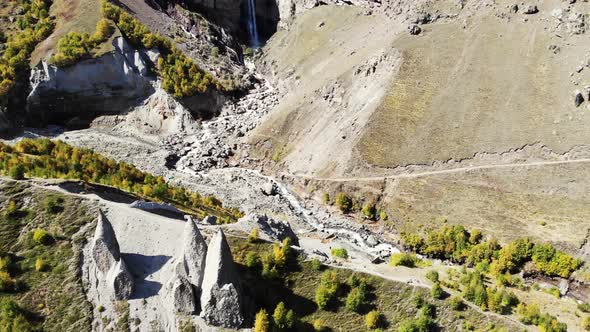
(415, 29)
(209, 220)
(579, 98)
(269, 188)
(531, 9)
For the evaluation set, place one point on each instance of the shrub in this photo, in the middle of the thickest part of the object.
(53, 204)
(357, 299)
(214, 51)
(318, 325)
(12, 318)
(457, 303)
(340, 253)
(262, 322)
(252, 260)
(7, 284)
(584, 307)
(369, 211)
(283, 318)
(343, 202)
(436, 291)
(253, 237)
(17, 172)
(586, 323)
(42, 237)
(11, 209)
(40, 265)
(373, 319)
(326, 198)
(383, 215)
(403, 259)
(327, 289)
(432, 275)
(316, 265)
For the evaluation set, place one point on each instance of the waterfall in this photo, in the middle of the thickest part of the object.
(252, 29)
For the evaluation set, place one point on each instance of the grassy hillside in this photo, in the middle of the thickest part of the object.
(397, 302)
(39, 273)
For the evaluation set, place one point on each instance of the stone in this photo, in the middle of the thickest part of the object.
(105, 248)
(564, 287)
(269, 188)
(121, 281)
(183, 296)
(514, 8)
(530, 9)
(221, 298)
(578, 98)
(209, 220)
(275, 230)
(371, 241)
(415, 29)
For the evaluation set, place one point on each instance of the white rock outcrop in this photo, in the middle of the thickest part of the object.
(184, 288)
(221, 297)
(110, 269)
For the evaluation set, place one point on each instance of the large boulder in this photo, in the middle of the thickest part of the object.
(275, 230)
(221, 298)
(105, 248)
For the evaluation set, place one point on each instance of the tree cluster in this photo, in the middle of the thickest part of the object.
(35, 25)
(75, 46)
(48, 159)
(531, 315)
(458, 245)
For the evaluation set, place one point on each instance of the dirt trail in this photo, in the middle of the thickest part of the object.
(442, 172)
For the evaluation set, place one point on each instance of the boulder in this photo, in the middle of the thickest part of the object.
(209, 220)
(121, 281)
(414, 29)
(530, 9)
(221, 298)
(269, 188)
(275, 230)
(578, 98)
(105, 248)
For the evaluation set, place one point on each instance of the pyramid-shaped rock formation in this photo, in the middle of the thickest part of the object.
(185, 285)
(111, 269)
(221, 297)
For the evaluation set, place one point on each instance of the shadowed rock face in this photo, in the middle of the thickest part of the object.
(183, 296)
(121, 281)
(105, 248)
(221, 297)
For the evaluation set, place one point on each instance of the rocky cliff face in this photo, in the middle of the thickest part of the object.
(221, 299)
(110, 84)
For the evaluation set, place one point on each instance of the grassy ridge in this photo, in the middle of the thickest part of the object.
(40, 286)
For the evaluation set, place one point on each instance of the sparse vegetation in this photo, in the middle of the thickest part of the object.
(339, 253)
(404, 259)
(343, 202)
(75, 46)
(253, 236)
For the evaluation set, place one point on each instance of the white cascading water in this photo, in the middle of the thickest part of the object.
(252, 28)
